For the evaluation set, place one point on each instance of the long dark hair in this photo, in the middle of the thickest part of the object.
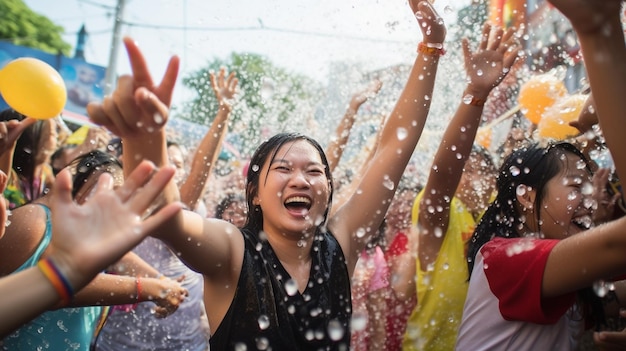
(267, 151)
(532, 165)
(85, 165)
(26, 146)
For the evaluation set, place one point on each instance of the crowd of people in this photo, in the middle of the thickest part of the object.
(121, 242)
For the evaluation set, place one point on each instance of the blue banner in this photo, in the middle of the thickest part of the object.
(84, 81)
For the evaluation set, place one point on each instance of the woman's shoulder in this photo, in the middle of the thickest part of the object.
(24, 232)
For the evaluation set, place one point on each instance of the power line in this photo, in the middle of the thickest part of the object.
(108, 7)
(258, 28)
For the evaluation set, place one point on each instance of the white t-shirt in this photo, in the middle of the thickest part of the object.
(504, 309)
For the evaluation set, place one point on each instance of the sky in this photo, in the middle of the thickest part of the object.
(301, 36)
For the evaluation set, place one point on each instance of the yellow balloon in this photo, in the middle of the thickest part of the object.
(539, 93)
(555, 121)
(33, 88)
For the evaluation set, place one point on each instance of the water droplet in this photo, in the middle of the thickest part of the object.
(600, 288)
(335, 330)
(402, 133)
(264, 322)
(358, 321)
(360, 232)
(438, 232)
(514, 171)
(158, 119)
(262, 343)
(291, 286)
(388, 183)
(467, 99)
(255, 168)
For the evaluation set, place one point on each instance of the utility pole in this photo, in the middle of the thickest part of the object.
(80, 43)
(111, 72)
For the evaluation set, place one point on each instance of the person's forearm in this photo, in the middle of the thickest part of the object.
(605, 57)
(110, 289)
(6, 160)
(204, 159)
(342, 133)
(25, 295)
(133, 265)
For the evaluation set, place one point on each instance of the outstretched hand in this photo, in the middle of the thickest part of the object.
(492, 60)
(611, 340)
(360, 97)
(89, 237)
(171, 295)
(11, 130)
(137, 105)
(224, 87)
(431, 24)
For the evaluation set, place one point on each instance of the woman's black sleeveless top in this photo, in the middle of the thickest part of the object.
(269, 313)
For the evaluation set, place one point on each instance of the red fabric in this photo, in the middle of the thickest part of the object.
(398, 312)
(514, 269)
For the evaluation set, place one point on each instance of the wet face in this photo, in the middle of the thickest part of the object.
(399, 212)
(177, 159)
(477, 183)
(88, 188)
(293, 190)
(48, 140)
(236, 214)
(567, 204)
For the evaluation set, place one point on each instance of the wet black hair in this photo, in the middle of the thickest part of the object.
(264, 153)
(227, 201)
(532, 165)
(57, 155)
(85, 165)
(26, 147)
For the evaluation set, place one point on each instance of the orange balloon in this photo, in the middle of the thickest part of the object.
(539, 93)
(33, 88)
(556, 119)
(483, 137)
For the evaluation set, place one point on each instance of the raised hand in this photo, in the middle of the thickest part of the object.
(11, 130)
(360, 97)
(431, 24)
(492, 60)
(114, 218)
(611, 340)
(168, 296)
(224, 87)
(137, 105)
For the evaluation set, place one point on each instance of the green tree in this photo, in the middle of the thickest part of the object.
(269, 97)
(22, 26)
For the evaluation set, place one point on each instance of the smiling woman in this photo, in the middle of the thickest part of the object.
(283, 281)
(544, 199)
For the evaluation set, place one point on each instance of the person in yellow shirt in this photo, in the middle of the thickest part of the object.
(458, 189)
